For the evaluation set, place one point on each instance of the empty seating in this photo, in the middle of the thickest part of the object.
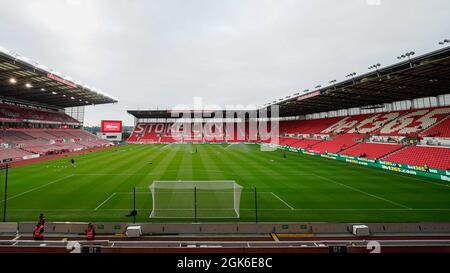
(345, 124)
(48, 141)
(12, 154)
(287, 141)
(372, 150)
(338, 144)
(167, 139)
(306, 143)
(40, 134)
(441, 129)
(15, 113)
(415, 121)
(434, 157)
(313, 126)
(71, 146)
(147, 132)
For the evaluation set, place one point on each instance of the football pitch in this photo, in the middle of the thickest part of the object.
(298, 188)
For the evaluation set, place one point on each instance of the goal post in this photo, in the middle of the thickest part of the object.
(190, 199)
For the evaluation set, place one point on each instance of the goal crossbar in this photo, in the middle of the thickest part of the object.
(189, 199)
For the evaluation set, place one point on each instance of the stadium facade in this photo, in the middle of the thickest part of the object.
(395, 116)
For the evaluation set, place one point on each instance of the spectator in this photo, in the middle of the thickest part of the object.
(90, 232)
(38, 233)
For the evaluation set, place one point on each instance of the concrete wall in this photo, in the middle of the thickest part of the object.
(232, 228)
(8, 227)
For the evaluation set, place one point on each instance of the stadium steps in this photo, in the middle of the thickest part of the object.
(21, 148)
(295, 144)
(372, 150)
(352, 146)
(312, 145)
(394, 152)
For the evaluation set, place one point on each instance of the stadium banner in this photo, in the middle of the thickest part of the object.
(61, 80)
(309, 95)
(111, 126)
(385, 165)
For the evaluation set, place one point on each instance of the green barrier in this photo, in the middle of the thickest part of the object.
(385, 165)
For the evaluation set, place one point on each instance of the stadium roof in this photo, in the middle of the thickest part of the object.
(422, 76)
(184, 113)
(25, 80)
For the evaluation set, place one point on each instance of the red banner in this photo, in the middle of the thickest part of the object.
(309, 95)
(61, 80)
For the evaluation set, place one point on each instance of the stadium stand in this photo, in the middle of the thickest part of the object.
(434, 157)
(415, 121)
(350, 135)
(22, 143)
(441, 129)
(39, 134)
(372, 150)
(337, 144)
(12, 154)
(306, 143)
(287, 141)
(214, 132)
(373, 123)
(10, 112)
(345, 124)
(313, 126)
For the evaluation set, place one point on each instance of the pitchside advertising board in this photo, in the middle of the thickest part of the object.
(111, 130)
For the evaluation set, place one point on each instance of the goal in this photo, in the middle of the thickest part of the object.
(195, 199)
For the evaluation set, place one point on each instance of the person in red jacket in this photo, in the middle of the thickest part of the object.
(38, 233)
(90, 232)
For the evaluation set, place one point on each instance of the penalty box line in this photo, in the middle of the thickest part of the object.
(116, 193)
(282, 201)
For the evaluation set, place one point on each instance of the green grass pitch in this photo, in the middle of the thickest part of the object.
(299, 188)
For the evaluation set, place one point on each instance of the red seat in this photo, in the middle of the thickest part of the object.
(341, 142)
(372, 150)
(434, 157)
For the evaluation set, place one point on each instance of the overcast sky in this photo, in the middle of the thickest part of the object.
(152, 54)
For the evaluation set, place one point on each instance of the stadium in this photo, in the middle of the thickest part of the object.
(357, 166)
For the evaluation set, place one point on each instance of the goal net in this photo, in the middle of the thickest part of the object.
(190, 199)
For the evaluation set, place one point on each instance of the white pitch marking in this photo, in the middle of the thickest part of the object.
(230, 145)
(361, 191)
(165, 146)
(40, 187)
(107, 199)
(284, 202)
